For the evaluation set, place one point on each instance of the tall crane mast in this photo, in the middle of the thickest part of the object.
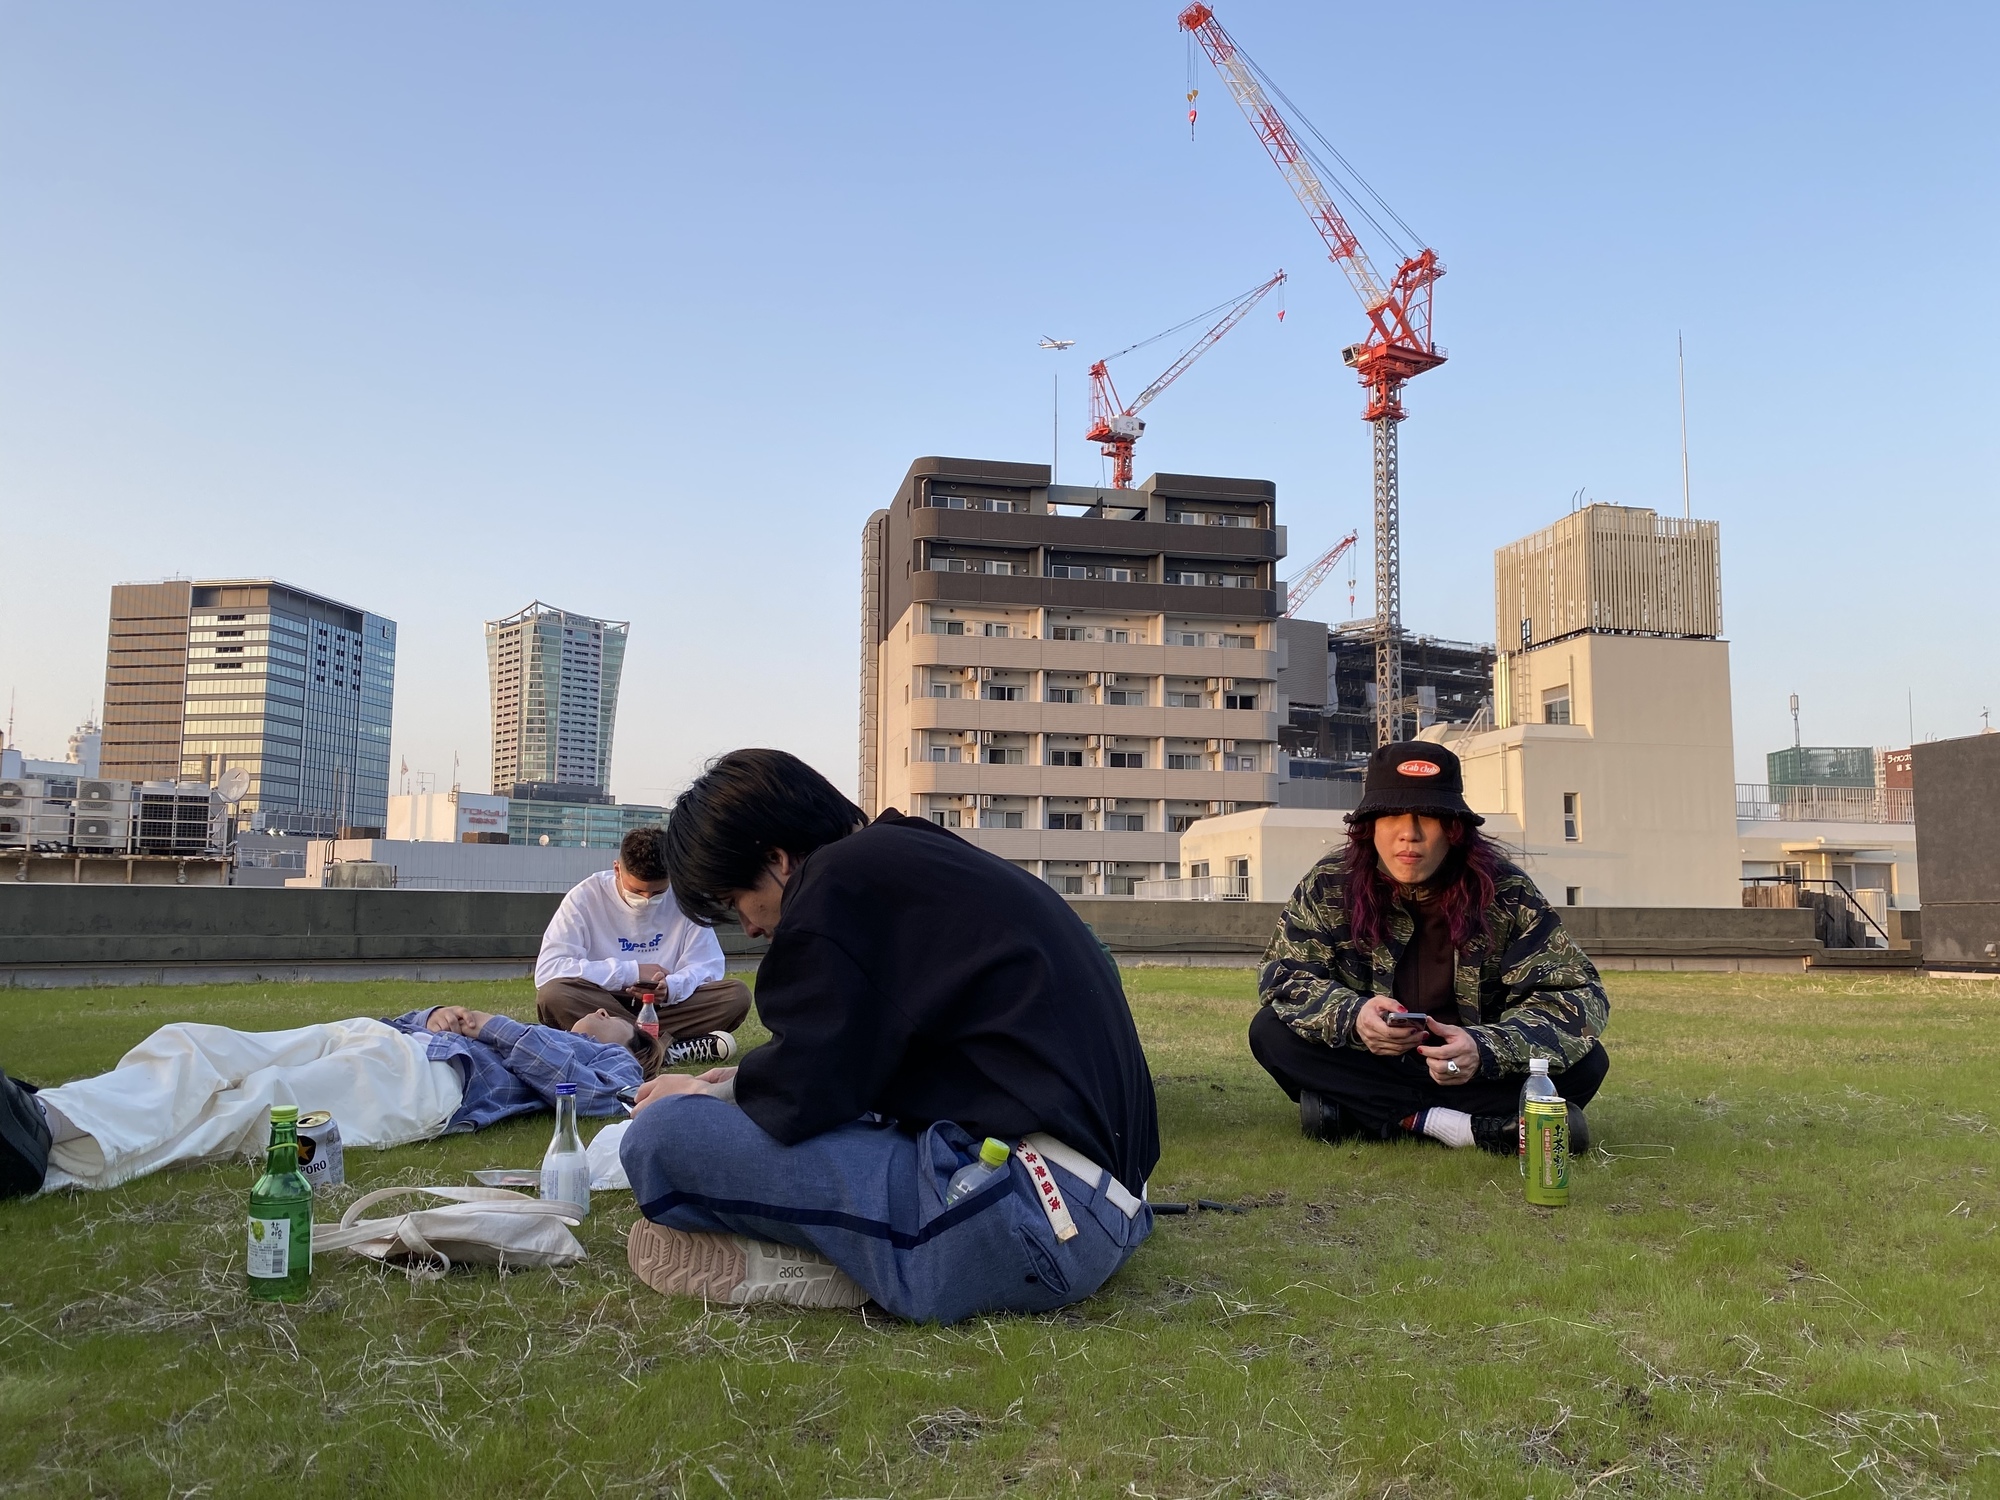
(1398, 346)
(1118, 427)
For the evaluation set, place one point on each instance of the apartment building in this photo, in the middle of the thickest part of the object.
(203, 676)
(554, 676)
(1070, 676)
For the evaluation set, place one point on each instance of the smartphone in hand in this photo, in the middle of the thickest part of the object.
(1407, 1020)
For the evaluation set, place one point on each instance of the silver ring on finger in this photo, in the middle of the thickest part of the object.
(1451, 1065)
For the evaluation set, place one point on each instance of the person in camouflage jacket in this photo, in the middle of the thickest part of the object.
(1510, 987)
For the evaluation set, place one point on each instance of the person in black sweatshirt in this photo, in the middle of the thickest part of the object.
(922, 996)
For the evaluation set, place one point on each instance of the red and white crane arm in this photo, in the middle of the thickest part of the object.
(1314, 576)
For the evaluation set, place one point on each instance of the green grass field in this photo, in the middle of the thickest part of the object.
(1780, 1276)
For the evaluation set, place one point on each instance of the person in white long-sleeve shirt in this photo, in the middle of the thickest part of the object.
(619, 939)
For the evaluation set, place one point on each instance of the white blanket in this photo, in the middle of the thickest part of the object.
(193, 1093)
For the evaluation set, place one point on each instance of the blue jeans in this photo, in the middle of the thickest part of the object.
(870, 1199)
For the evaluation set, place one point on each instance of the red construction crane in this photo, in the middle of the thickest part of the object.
(1118, 427)
(1398, 346)
(1314, 576)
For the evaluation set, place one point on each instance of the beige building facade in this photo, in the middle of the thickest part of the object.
(1070, 677)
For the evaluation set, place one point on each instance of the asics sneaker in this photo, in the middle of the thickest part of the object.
(734, 1268)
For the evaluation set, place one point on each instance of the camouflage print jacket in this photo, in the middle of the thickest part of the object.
(1532, 988)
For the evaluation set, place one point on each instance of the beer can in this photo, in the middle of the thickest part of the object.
(320, 1160)
(1547, 1123)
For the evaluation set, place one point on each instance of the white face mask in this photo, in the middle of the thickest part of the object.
(639, 902)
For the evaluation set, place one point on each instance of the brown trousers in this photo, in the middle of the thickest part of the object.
(719, 1005)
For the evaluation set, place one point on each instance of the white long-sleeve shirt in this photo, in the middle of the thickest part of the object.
(596, 936)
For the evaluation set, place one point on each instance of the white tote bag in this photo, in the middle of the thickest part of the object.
(478, 1226)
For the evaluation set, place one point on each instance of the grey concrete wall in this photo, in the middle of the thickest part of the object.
(1958, 850)
(109, 934)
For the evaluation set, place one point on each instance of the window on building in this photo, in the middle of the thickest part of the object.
(1572, 819)
(1198, 870)
(1129, 760)
(946, 818)
(1555, 706)
(1184, 700)
(1065, 820)
(1064, 758)
(1001, 755)
(996, 628)
(1183, 762)
(1000, 692)
(994, 818)
(1241, 642)
(1181, 822)
(1572, 895)
(1065, 695)
(1067, 885)
(942, 754)
(1125, 822)
(946, 690)
(1239, 762)
(947, 627)
(1239, 700)
(1067, 633)
(1124, 698)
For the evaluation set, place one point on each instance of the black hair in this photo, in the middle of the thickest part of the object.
(744, 808)
(642, 853)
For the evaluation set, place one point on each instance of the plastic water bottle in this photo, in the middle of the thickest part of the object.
(1538, 1086)
(649, 1019)
(566, 1169)
(970, 1178)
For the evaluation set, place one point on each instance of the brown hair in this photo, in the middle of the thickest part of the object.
(650, 1050)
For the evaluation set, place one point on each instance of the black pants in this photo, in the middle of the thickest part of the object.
(1376, 1094)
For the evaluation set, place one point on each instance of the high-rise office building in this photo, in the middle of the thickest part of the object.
(554, 677)
(296, 690)
(1070, 676)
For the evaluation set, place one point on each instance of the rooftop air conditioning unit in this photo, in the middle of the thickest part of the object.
(14, 794)
(13, 831)
(102, 796)
(106, 833)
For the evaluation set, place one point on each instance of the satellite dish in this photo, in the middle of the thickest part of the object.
(235, 782)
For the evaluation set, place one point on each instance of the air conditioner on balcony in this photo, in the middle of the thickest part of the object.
(1229, 745)
(970, 800)
(1095, 804)
(985, 736)
(1096, 679)
(1229, 684)
(985, 674)
(1093, 741)
(986, 802)
(1215, 809)
(1214, 746)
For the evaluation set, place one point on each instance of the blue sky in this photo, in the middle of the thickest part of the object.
(641, 309)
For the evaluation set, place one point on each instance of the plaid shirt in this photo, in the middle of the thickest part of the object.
(1532, 988)
(512, 1069)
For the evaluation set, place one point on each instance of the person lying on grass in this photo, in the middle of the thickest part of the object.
(921, 995)
(192, 1092)
(1416, 972)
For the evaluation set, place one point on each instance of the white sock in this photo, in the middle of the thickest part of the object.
(1451, 1126)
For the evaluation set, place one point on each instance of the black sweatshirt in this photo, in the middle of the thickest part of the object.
(919, 978)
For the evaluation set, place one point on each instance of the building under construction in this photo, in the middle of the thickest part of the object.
(1328, 679)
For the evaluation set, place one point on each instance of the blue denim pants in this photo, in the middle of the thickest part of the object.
(870, 1199)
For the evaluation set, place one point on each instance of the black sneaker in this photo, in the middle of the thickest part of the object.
(1319, 1118)
(1579, 1131)
(716, 1047)
(1499, 1134)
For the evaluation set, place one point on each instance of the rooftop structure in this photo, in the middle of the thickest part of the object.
(554, 678)
(1617, 569)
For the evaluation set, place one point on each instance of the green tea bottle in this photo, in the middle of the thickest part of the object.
(281, 1217)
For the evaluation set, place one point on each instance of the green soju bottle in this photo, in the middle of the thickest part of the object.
(281, 1217)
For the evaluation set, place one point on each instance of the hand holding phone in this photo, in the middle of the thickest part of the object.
(1407, 1020)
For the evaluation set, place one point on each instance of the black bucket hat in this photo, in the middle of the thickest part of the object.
(1414, 777)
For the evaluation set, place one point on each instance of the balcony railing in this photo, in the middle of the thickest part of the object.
(1196, 888)
(1824, 804)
